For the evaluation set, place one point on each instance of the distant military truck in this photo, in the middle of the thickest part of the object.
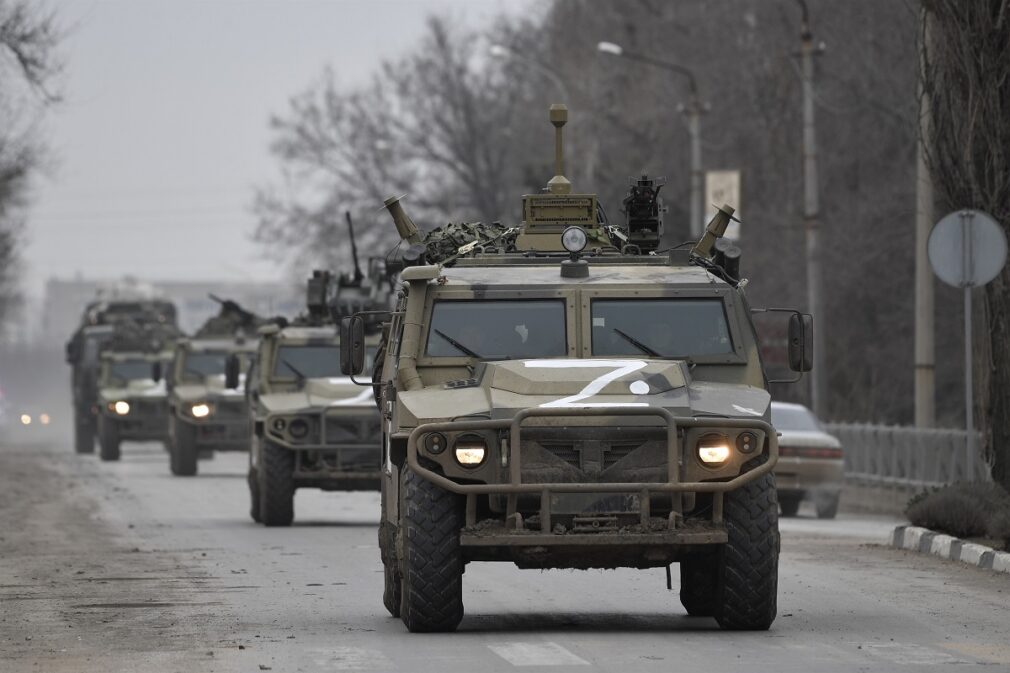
(132, 399)
(563, 394)
(204, 415)
(103, 318)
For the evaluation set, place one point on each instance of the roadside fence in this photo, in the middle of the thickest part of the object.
(902, 456)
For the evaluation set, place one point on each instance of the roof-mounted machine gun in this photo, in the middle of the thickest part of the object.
(231, 321)
(643, 211)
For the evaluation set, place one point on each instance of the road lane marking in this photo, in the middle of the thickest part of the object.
(537, 654)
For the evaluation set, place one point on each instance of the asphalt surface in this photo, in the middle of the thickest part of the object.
(121, 567)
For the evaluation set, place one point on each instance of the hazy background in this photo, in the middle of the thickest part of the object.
(163, 131)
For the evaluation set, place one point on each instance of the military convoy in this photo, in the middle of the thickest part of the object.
(563, 394)
(312, 427)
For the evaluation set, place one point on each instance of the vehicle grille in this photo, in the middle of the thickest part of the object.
(593, 454)
(229, 409)
(345, 430)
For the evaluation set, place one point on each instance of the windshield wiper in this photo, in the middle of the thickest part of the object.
(456, 344)
(301, 377)
(638, 344)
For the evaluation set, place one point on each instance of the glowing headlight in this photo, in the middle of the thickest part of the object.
(44, 419)
(121, 407)
(713, 450)
(574, 239)
(26, 419)
(470, 451)
(201, 410)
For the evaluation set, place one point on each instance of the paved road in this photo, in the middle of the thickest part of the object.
(121, 567)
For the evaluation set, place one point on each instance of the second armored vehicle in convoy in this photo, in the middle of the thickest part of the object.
(565, 395)
(312, 427)
(122, 305)
(205, 415)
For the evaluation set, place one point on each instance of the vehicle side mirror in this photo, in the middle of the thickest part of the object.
(232, 368)
(801, 342)
(156, 372)
(352, 345)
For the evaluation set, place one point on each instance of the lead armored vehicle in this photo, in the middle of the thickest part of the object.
(205, 415)
(562, 394)
(312, 427)
(116, 308)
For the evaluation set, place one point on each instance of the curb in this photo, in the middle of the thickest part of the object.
(925, 541)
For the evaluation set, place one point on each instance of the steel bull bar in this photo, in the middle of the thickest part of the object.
(515, 485)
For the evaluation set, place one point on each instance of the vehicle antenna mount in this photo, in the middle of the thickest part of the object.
(559, 184)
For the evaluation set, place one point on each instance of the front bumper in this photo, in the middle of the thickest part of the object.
(220, 434)
(147, 421)
(343, 452)
(669, 533)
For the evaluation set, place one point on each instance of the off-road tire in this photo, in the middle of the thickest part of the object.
(253, 480)
(84, 437)
(183, 453)
(790, 504)
(826, 505)
(392, 587)
(432, 560)
(699, 586)
(108, 440)
(749, 563)
(276, 485)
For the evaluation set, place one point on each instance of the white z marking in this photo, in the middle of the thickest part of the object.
(619, 368)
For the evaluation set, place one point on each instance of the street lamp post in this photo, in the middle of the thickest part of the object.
(811, 215)
(692, 112)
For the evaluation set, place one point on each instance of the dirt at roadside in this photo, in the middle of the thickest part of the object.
(75, 597)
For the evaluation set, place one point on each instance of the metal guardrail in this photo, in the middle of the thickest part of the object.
(906, 456)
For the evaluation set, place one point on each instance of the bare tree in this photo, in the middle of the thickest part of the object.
(28, 66)
(967, 82)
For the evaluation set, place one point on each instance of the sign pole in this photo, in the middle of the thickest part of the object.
(969, 393)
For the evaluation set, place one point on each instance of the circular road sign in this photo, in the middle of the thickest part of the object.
(967, 248)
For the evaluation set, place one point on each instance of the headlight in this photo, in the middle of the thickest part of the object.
(121, 407)
(299, 428)
(279, 424)
(26, 419)
(713, 450)
(44, 419)
(470, 450)
(746, 442)
(201, 410)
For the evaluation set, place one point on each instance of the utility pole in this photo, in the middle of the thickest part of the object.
(811, 215)
(692, 113)
(925, 345)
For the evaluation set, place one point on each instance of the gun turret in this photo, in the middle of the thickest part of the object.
(317, 296)
(231, 320)
(643, 211)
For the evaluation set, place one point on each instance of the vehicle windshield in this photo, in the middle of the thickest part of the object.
(313, 362)
(202, 365)
(498, 330)
(664, 328)
(129, 370)
(797, 419)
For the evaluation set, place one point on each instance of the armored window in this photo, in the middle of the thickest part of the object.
(498, 330)
(130, 370)
(666, 328)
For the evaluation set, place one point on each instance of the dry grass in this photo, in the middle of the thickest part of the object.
(964, 510)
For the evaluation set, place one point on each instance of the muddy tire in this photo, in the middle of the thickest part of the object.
(183, 454)
(432, 563)
(790, 504)
(749, 563)
(108, 440)
(826, 505)
(84, 436)
(699, 586)
(276, 485)
(254, 495)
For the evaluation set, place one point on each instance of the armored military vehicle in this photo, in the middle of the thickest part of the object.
(132, 398)
(204, 414)
(564, 394)
(312, 427)
(115, 308)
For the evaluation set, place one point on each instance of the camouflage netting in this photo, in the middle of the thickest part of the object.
(443, 244)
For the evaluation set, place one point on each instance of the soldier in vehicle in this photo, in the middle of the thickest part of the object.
(205, 415)
(563, 395)
(312, 427)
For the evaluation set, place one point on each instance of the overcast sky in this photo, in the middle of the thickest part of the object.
(163, 130)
